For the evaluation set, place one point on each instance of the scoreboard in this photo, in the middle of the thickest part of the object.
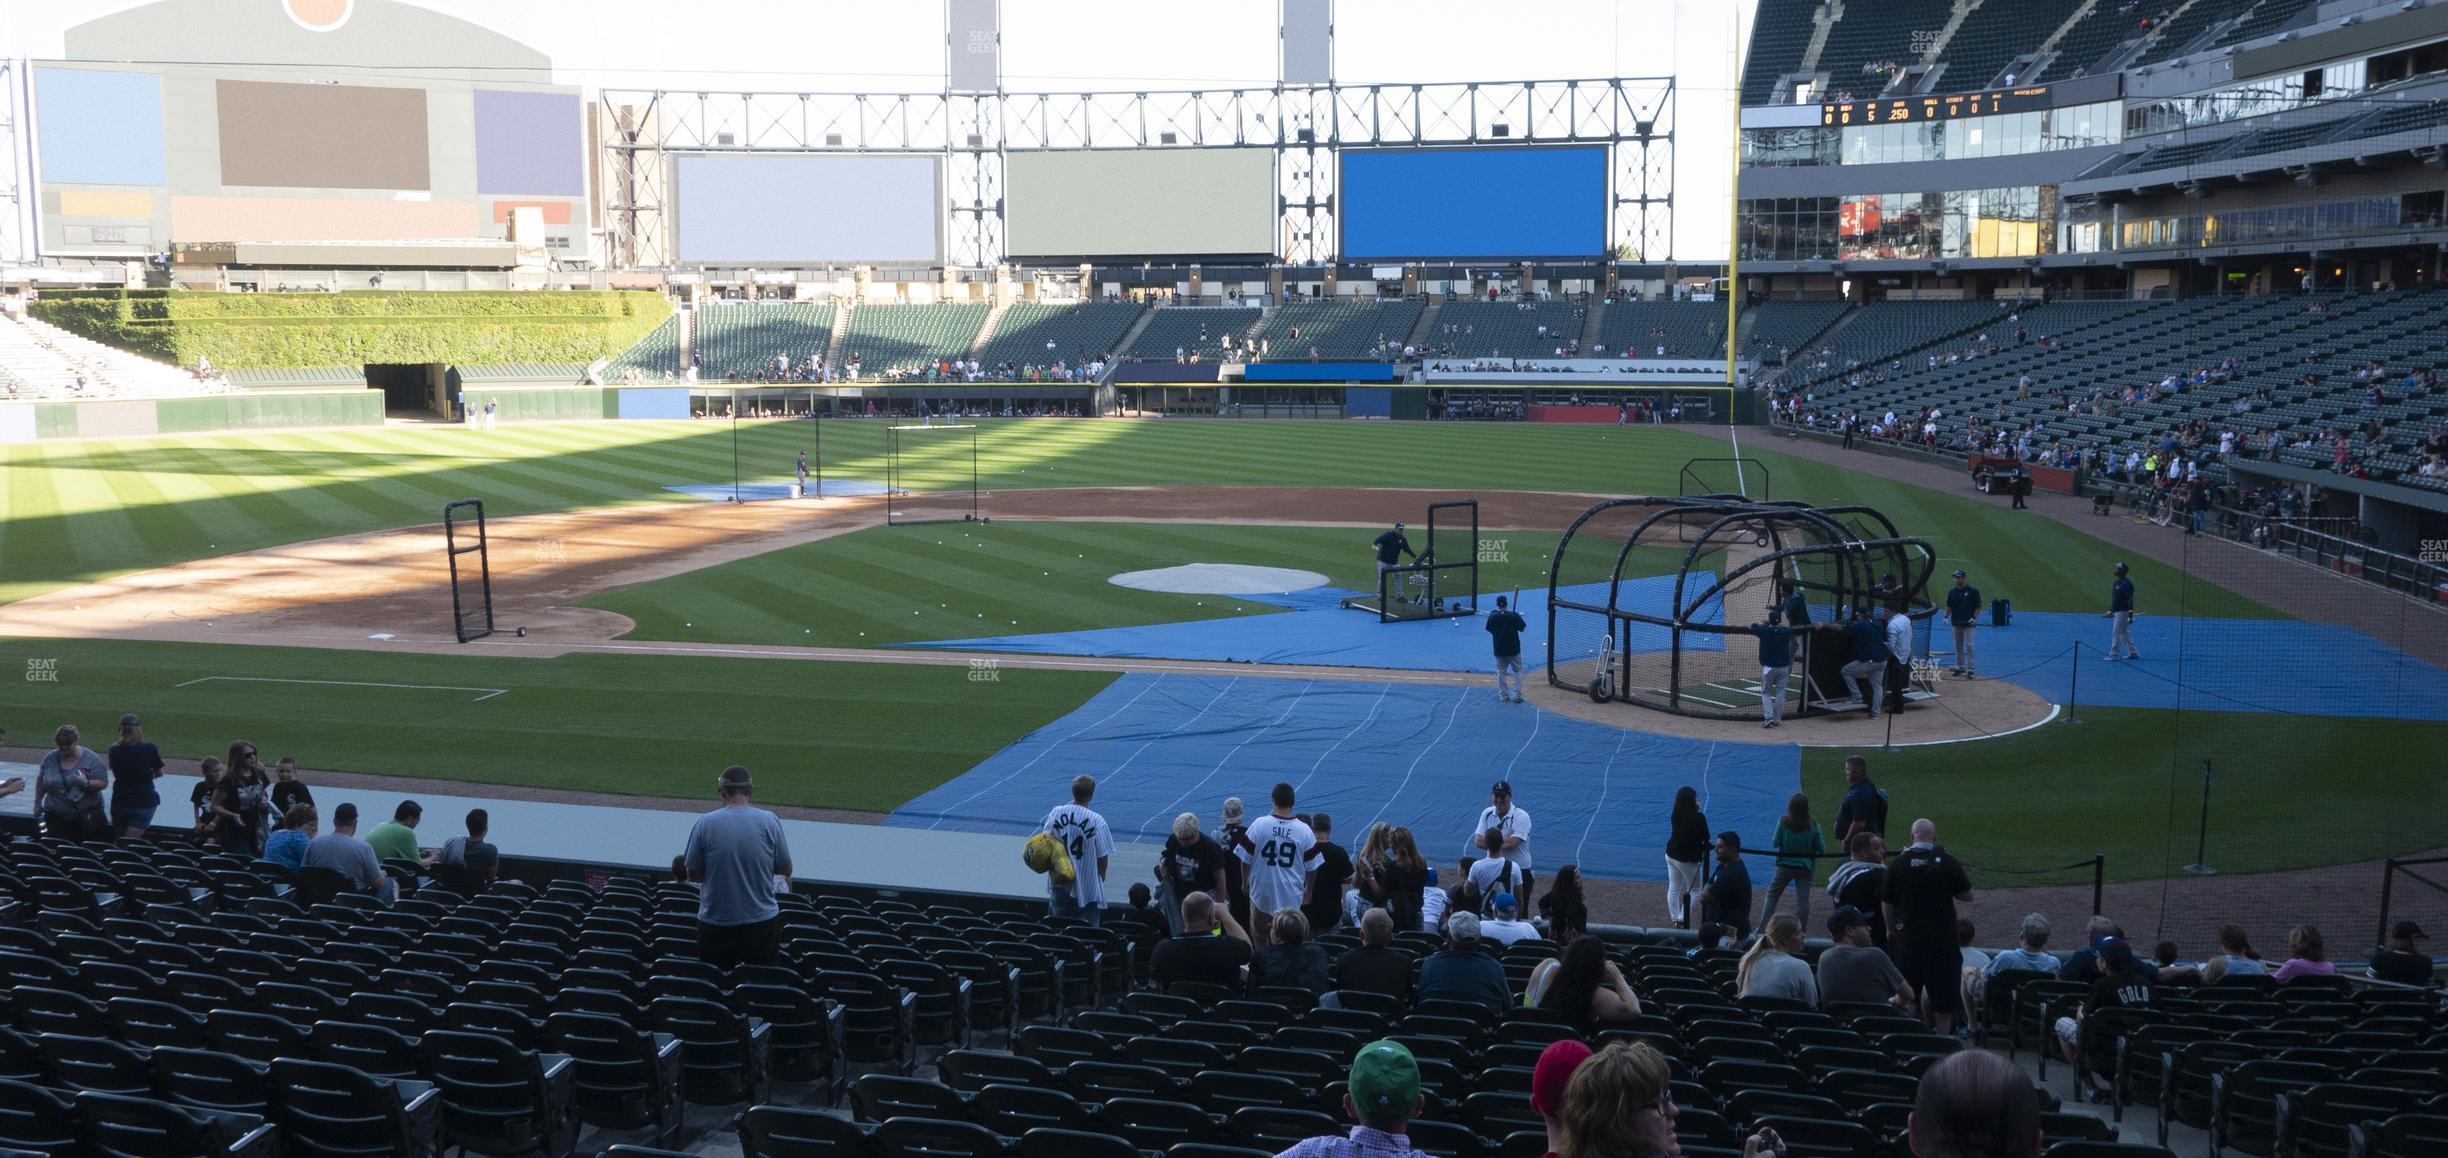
(1934, 107)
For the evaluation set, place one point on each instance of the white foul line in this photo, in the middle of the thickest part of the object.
(489, 693)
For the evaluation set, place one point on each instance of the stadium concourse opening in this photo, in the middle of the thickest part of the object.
(408, 387)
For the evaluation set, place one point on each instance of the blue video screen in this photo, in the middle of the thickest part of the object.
(1513, 202)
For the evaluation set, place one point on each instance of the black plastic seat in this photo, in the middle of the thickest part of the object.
(935, 1138)
(40, 1009)
(38, 1121)
(624, 1077)
(971, 1071)
(210, 1079)
(153, 1024)
(258, 1037)
(722, 1054)
(877, 1097)
(381, 1052)
(879, 1019)
(94, 1063)
(499, 1099)
(805, 1034)
(1052, 1142)
(1279, 1128)
(789, 1132)
(1012, 1110)
(334, 1111)
(1153, 1124)
(121, 1126)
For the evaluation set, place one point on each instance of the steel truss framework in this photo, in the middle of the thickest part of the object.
(641, 130)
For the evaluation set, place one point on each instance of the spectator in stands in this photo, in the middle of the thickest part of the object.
(287, 790)
(2172, 969)
(1490, 875)
(68, 788)
(1687, 843)
(2236, 957)
(1567, 913)
(1324, 907)
(476, 861)
(1773, 966)
(1862, 880)
(1464, 970)
(2306, 957)
(2030, 955)
(395, 839)
(1145, 923)
(239, 800)
(1864, 808)
(1975, 1104)
(1383, 1096)
(1289, 959)
(1376, 966)
(734, 853)
(2399, 960)
(1192, 862)
(1201, 953)
(1229, 830)
(287, 846)
(1726, 902)
(1618, 1104)
(2120, 986)
(1854, 970)
(1923, 888)
(1554, 1072)
(134, 766)
(199, 798)
(1974, 962)
(1403, 880)
(1277, 854)
(1582, 985)
(340, 851)
(1797, 841)
(1084, 834)
(2083, 964)
(1503, 924)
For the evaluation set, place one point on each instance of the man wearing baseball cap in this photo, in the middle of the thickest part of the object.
(2120, 618)
(1384, 1094)
(1856, 970)
(2400, 961)
(734, 853)
(1391, 547)
(1555, 1070)
(1963, 604)
(1514, 824)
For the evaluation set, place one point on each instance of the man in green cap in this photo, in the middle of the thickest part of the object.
(1385, 1093)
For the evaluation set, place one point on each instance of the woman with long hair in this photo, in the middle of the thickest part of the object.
(2236, 956)
(1404, 877)
(1566, 911)
(1798, 842)
(1618, 1105)
(1687, 848)
(2306, 957)
(238, 802)
(1773, 965)
(1582, 985)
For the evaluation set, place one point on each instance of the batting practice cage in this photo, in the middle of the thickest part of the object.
(931, 474)
(1443, 582)
(1650, 600)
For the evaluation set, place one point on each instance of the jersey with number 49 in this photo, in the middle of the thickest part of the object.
(1280, 854)
(1083, 835)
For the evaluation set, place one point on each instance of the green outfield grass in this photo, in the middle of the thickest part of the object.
(839, 735)
(951, 581)
(72, 511)
(2288, 792)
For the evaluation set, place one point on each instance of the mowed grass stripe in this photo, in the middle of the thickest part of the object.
(863, 736)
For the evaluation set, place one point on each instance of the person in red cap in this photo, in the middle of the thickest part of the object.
(1555, 1068)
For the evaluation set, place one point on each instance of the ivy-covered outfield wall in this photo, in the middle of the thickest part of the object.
(263, 331)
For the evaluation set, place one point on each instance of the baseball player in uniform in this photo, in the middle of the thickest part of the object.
(1506, 626)
(1776, 664)
(1391, 547)
(1963, 603)
(2120, 618)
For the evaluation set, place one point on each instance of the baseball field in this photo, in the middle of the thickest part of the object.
(283, 587)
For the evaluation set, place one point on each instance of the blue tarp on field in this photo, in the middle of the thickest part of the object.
(1363, 751)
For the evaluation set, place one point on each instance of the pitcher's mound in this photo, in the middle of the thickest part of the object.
(1220, 579)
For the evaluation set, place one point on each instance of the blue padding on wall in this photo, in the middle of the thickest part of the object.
(655, 402)
(1318, 372)
(1369, 402)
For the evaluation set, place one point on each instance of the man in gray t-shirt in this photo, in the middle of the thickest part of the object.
(1855, 969)
(734, 854)
(340, 851)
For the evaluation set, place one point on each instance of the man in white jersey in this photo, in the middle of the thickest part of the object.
(1280, 852)
(1083, 834)
(1514, 823)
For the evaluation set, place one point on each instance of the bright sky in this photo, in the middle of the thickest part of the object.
(1112, 45)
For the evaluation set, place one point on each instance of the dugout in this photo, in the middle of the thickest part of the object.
(1650, 599)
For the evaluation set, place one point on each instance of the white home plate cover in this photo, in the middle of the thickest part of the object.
(1220, 579)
